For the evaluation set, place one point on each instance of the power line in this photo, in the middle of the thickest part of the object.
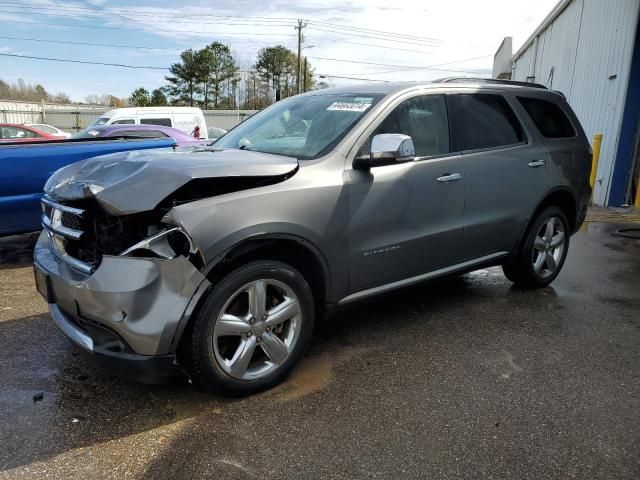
(144, 29)
(317, 39)
(375, 37)
(409, 67)
(235, 18)
(374, 31)
(82, 61)
(114, 45)
(90, 44)
(340, 30)
(122, 65)
(431, 66)
(154, 14)
(170, 20)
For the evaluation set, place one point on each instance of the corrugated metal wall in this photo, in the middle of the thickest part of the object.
(72, 118)
(590, 41)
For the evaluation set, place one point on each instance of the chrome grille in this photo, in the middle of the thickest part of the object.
(64, 224)
(71, 220)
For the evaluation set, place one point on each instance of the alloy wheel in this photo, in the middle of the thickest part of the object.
(257, 329)
(548, 247)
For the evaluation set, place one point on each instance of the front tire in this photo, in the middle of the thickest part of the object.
(543, 252)
(252, 328)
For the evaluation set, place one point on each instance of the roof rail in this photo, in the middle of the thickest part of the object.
(488, 80)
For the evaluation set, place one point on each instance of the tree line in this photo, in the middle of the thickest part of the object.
(211, 78)
(24, 91)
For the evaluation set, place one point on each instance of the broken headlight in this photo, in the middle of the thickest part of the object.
(166, 244)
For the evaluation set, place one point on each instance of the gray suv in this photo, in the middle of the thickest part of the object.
(221, 259)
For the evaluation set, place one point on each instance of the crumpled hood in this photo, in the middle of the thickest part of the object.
(136, 181)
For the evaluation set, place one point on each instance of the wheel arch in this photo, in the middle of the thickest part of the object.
(292, 249)
(561, 197)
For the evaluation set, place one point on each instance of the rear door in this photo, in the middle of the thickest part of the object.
(506, 169)
(407, 219)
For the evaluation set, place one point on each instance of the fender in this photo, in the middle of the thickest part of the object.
(253, 241)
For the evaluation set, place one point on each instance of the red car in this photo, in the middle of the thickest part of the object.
(11, 132)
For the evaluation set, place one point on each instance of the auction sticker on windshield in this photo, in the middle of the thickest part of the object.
(348, 106)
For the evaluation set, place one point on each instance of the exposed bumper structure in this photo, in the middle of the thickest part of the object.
(129, 311)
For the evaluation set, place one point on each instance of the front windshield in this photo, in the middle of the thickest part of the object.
(90, 132)
(301, 127)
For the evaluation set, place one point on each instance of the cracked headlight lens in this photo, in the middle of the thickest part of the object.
(167, 244)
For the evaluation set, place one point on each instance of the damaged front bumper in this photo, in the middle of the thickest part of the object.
(129, 311)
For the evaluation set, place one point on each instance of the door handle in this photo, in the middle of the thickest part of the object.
(449, 177)
(537, 163)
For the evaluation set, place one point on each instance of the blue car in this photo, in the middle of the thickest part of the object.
(27, 166)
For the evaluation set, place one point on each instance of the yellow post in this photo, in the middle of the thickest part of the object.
(637, 202)
(597, 141)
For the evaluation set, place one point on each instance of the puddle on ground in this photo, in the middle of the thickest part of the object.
(313, 374)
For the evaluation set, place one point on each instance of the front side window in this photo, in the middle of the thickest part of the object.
(127, 121)
(304, 127)
(484, 121)
(166, 122)
(424, 119)
(548, 117)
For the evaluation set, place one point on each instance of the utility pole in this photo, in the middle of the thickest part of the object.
(304, 77)
(300, 26)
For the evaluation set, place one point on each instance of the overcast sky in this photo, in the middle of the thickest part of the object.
(436, 32)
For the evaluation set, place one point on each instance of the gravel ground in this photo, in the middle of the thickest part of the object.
(462, 378)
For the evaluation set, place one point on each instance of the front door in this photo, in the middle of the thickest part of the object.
(407, 219)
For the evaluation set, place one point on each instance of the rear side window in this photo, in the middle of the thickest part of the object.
(484, 121)
(548, 117)
(166, 122)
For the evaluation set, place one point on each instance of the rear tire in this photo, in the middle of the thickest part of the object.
(252, 329)
(543, 251)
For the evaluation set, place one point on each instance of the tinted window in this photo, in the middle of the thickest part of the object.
(128, 121)
(156, 121)
(424, 119)
(138, 134)
(548, 117)
(485, 121)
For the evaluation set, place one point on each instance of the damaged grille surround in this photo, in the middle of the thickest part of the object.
(81, 233)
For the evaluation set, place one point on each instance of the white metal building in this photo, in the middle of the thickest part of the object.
(590, 51)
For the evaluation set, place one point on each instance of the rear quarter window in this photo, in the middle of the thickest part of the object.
(550, 119)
